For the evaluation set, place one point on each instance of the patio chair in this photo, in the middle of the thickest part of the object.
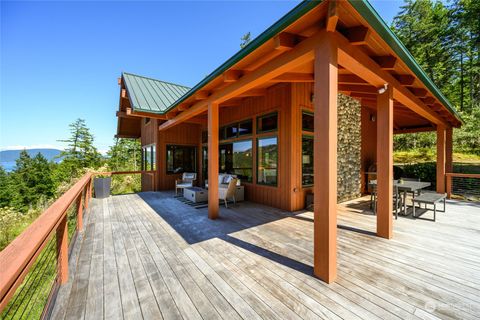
(397, 200)
(225, 193)
(186, 182)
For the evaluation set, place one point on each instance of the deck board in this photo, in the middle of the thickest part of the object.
(150, 256)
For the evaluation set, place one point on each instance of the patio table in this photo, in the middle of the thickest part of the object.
(406, 186)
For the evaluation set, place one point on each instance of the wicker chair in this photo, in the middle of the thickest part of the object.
(228, 192)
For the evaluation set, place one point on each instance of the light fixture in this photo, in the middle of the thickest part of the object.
(372, 118)
(383, 89)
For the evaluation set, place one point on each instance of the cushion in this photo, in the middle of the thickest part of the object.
(227, 179)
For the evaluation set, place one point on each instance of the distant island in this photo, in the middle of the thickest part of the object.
(8, 157)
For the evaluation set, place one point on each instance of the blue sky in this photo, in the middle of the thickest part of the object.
(60, 60)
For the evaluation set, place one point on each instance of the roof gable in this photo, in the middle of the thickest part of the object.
(151, 95)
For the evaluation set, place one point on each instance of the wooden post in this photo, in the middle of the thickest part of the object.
(385, 163)
(213, 160)
(441, 148)
(325, 161)
(449, 186)
(449, 150)
(80, 212)
(62, 251)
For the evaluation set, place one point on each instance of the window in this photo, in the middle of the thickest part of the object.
(237, 158)
(307, 121)
(267, 123)
(243, 160)
(245, 128)
(267, 161)
(205, 163)
(307, 161)
(149, 157)
(221, 133)
(181, 159)
(231, 131)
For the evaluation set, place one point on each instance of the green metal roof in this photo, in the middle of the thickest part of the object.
(365, 10)
(151, 95)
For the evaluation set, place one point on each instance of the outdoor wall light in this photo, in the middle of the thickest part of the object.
(372, 118)
(383, 89)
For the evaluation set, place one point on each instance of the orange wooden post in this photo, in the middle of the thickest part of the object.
(385, 163)
(62, 251)
(449, 186)
(213, 160)
(449, 150)
(325, 161)
(441, 148)
(80, 212)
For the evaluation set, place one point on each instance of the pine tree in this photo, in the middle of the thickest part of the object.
(80, 153)
(125, 155)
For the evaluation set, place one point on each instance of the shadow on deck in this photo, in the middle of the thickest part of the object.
(149, 255)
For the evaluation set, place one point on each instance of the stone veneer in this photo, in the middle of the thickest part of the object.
(348, 148)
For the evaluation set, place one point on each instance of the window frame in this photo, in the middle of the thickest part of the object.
(310, 113)
(310, 137)
(195, 166)
(266, 115)
(257, 151)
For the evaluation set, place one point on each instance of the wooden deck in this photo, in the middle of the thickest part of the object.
(150, 256)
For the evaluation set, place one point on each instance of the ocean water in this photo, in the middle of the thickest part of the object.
(8, 165)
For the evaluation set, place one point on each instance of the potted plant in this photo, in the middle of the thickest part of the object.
(102, 184)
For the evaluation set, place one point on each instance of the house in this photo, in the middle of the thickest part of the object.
(330, 65)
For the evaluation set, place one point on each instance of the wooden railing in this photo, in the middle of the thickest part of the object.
(17, 258)
(451, 175)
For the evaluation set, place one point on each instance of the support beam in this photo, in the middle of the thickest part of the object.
(385, 164)
(286, 41)
(232, 75)
(253, 93)
(298, 56)
(351, 79)
(405, 79)
(332, 17)
(213, 208)
(414, 130)
(357, 88)
(428, 100)
(325, 161)
(201, 95)
(386, 62)
(449, 150)
(357, 35)
(294, 77)
(359, 63)
(441, 150)
(419, 92)
(123, 93)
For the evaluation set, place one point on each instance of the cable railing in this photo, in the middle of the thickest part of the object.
(35, 264)
(463, 186)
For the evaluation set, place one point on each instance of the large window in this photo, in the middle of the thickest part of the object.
(181, 159)
(307, 161)
(236, 130)
(149, 157)
(267, 161)
(267, 123)
(236, 158)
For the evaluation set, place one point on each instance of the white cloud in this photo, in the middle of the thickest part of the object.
(35, 146)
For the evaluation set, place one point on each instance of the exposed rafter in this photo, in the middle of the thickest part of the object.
(294, 77)
(357, 35)
(386, 62)
(332, 16)
(232, 75)
(405, 79)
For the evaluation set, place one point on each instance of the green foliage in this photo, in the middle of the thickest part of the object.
(445, 40)
(245, 39)
(80, 153)
(426, 171)
(125, 155)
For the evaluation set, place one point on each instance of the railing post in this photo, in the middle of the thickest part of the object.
(449, 186)
(87, 194)
(62, 251)
(80, 212)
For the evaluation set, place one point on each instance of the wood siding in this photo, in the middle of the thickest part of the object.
(148, 137)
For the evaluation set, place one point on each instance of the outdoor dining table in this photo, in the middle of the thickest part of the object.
(406, 186)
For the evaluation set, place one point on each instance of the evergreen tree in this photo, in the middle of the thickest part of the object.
(125, 155)
(80, 153)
